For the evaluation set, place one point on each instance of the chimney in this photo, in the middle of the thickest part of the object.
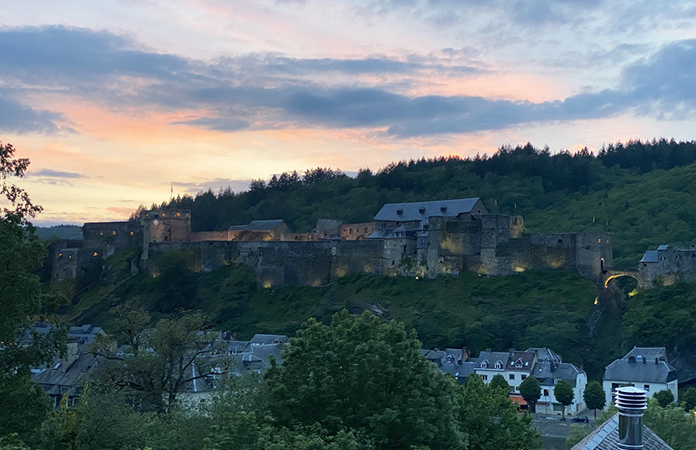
(631, 403)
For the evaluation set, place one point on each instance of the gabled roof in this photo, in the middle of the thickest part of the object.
(648, 372)
(492, 358)
(606, 437)
(423, 210)
(649, 257)
(649, 353)
(520, 361)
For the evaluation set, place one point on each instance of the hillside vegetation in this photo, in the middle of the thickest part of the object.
(641, 192)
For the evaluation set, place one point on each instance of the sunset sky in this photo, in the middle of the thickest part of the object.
(117, 101)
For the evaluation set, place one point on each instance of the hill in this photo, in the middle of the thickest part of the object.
(59, 232)
(643, 193)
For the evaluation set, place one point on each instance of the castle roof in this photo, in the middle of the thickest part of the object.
(650, 256)
(402, 212)
(259, 225)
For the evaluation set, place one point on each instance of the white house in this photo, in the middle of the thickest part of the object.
(643, 367)
(543, 364)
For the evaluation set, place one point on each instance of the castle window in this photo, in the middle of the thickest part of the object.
(421, 210)
(365, 229)
(599, 241)
(164, 214)
(178, 214)
(95, 254)
(114, 232)
(131, 233)
(399, 212)
(560, 241)
(443, 209)
(479, 211)
(60, 255)
(101, 233)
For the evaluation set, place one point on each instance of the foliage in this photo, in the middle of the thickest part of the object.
(368, 378)
(576, 435)
(688, 399)
(672, 424)
(641, 192)
(24, 404)
(594, 396)
(491, 420)
(664, 397)
(499, 382)
(165, 359)
(563, 391)
(530, 391)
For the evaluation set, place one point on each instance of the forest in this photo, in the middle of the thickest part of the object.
(641, 192)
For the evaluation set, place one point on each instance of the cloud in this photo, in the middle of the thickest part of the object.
(216, 185)
(48, 173)
(267, 91)
(18, 118)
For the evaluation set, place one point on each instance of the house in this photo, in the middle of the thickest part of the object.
(549, 370)
(643, 367)
(411, 220)
(453, 361)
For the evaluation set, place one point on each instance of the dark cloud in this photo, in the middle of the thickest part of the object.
(17, 118)
(235, 94)
(48, 173)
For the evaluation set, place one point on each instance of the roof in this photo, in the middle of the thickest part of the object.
(646, 372)
(662, 247)
(548, 372)
(54, 375)
(606, 437)
(423, 210)
(492, 357)
(259, 225)
(649, 257)
(545, 354)
(268, 339)
(525, 361)
(649, 353)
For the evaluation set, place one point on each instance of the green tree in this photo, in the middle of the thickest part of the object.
(21, 302)
(564, 394)
(594, 396)
(530, 391)
(688, 399)
(491, 420)
(365, 377)
(672, 424)
(498, 382)
(174, 358)
(664, 397)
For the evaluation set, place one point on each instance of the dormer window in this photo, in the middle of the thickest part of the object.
(421, 210)
(518, 364)
(443, 209)
(399, 212)
(484, 364)
(498, 364)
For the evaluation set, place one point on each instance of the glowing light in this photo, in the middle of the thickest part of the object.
(267, 285)
(519, 269)
(596, 300)
(633, 293)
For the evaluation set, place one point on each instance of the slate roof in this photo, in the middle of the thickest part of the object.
(648, 372)
(548, 372)
(412, 211)
(268, 339)
(662, 247)
(60, 381)
(525, 359)
(649, 353)
(259, 225)
(606, 437)
(650, 256)
(492, 357)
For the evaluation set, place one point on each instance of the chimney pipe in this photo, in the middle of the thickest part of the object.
(631, 402)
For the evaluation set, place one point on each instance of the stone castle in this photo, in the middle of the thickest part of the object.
(423, 239)
(667, 265)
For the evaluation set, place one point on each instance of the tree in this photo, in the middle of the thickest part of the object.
(21, 302)
(364, 377)
(672, 424)
(530, 391)
(664, 397)
(174, 357)
(491, 420)
(499, 382)
(564, 394)
(688, 400)
(594, 396)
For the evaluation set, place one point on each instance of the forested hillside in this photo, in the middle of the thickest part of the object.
(641, 192)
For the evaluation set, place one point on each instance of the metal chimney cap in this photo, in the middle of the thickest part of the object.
(631, 398)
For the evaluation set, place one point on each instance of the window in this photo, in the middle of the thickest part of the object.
(498, 364)
(484, 377)
(646, 387)
(511, 376)
(484, 364)
(443, 209)
(523, 376)
(421, 210)
(546, 392)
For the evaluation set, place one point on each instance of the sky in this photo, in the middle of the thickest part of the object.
(121, 102)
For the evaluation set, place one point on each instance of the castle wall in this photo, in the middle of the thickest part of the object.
(111, 236)
(355, 231)
(71, 262)
(673, 265)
